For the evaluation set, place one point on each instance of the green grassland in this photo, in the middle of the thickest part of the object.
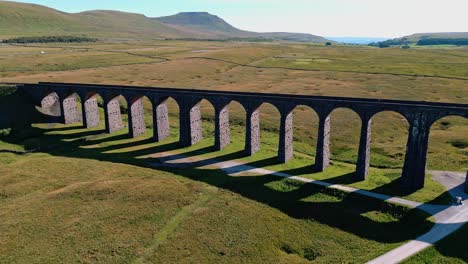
(87, 197)
(92, 198)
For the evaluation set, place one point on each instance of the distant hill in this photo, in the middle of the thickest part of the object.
(426, 39)
(446, 35)
(203, 23)
(25, 20)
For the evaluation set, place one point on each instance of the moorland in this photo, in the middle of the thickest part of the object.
(69, 194)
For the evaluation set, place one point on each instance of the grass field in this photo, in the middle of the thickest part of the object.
(87, 197)
(96, 200)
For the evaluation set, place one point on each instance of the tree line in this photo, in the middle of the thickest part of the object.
(442, 41)
(48, 39)
(421, 42)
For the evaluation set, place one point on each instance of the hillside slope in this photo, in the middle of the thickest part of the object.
(446, 35)
(19, 20)
(416, 38)
(203, 23)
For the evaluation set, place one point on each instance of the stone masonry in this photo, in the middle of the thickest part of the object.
(51, 105)
(322, 156)
(190, 124)
(285, 150)
(113, 115)
(70, 109)
(362, 166)
(161, 122)
(195, 124)
(136, 118)
(420, 116)
(252, 133)
(91, 112)
(222, 129)
(414, 168)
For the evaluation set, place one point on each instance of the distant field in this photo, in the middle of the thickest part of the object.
(336, 70)
(96, 200)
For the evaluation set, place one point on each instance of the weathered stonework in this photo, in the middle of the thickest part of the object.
(195, 124)
(70, 109)
(136, 118)
(322, 156)
(113, 115)
(285, 150)
(252, 133)
(91, 113)
(222, 129)
(414, 168)
(190, 124)
(420, 115)
(51, 105)
(161, 122)
(363, 162)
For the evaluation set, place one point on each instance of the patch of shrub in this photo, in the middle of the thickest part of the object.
(461, 144)
(406, 46)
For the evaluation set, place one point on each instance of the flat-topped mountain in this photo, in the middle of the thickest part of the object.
(19, 20)
(199, 20)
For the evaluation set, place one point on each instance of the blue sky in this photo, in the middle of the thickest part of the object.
(364, 18)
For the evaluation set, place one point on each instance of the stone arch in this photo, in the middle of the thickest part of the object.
(270, 116)
(448, 144)
(389, 139)
(207, 116)
(237, 120)
(345, 127)
(305, 129)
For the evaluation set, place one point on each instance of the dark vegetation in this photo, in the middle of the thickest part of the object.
(443, 41)
(49, 39)
(391, 42)
(422, 42)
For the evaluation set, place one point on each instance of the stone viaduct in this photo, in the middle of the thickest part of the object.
(61, 100)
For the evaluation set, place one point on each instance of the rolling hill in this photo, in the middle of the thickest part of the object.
(22, 20)
(445, 35)
(417, 38)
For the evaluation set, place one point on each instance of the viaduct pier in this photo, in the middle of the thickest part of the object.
(62, 100)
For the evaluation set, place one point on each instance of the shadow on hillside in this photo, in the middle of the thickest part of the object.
(348, 212)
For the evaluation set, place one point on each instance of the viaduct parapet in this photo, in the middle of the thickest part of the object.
(61, 99)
